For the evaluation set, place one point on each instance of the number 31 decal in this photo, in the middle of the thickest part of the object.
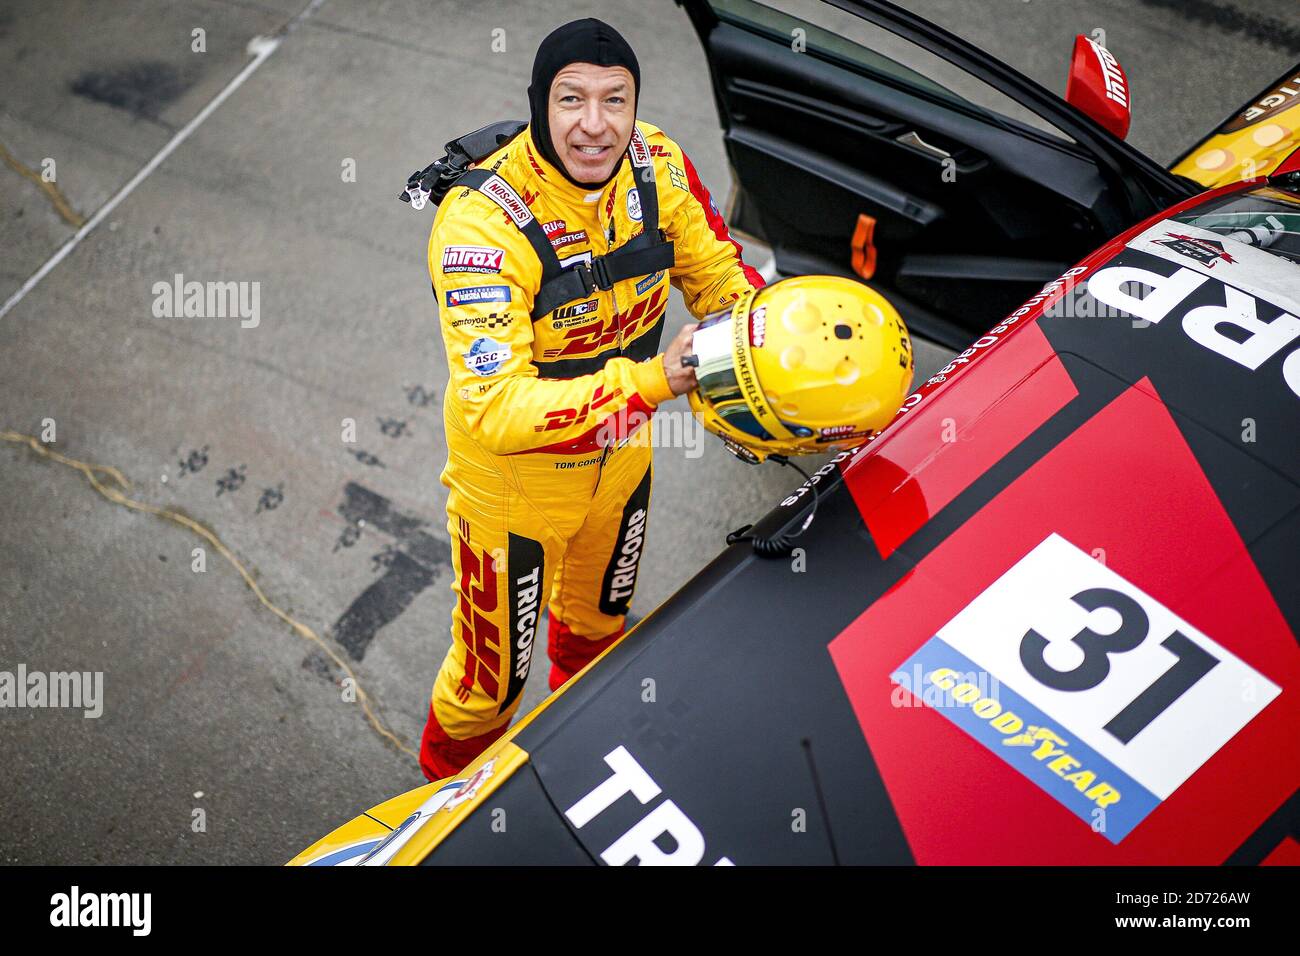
(1191, 661)
(1151, 693)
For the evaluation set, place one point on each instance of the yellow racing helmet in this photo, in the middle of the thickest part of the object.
(806, 365)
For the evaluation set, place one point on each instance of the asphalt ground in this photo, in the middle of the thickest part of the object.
(225, 734)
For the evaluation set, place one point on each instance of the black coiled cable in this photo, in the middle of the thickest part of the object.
(778, 545)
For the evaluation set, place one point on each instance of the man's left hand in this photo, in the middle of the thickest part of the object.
(681, 379)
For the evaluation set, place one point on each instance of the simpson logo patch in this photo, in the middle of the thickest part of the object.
(477, 294)
(637, 147)
(472, 259)
(1102, 697)
(499, 191)
(486, 355)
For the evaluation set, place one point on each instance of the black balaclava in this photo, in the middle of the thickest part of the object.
(579, 41)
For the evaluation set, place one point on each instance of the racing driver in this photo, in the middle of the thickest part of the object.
(551, 262)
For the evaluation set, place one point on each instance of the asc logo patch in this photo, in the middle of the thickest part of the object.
(486, 355)
(634, 204)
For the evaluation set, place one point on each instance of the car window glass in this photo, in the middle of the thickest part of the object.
(1266, 218)
(854, 43)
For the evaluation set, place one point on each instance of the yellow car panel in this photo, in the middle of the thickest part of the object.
(351, 841)
(1251, 144)
(440, 806)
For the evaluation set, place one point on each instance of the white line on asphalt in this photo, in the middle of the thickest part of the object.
(261, 48)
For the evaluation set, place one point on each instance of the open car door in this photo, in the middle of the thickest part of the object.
(853, 155)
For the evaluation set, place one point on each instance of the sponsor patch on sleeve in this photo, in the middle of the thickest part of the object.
(478, 294)
(482, 259)
(486, 356)
(1101, 696)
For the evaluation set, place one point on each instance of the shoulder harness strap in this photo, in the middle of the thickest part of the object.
(494, 187)
(648, 252)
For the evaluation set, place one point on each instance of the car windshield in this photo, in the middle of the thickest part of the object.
(1267, 218)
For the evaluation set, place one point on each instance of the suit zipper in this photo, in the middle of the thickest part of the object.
(609, 245)
(613, 297)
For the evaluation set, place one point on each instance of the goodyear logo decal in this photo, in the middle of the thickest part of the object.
(1042, 749)
(648, 283)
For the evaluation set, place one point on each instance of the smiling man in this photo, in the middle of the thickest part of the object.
(551, 268)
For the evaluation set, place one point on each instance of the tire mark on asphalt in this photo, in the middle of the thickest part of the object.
(1264, 29)
(113, 485)
(144, 88)
(259, 48)
(411, 568)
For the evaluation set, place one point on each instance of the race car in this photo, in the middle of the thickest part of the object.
(1048, 615)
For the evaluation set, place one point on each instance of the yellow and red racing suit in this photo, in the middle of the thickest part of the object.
(547, 506)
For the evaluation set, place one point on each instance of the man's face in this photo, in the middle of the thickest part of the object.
(591, 113)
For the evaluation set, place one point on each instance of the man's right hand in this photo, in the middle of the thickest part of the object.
(681, 380)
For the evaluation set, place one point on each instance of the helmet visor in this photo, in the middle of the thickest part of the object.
(714, 345)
